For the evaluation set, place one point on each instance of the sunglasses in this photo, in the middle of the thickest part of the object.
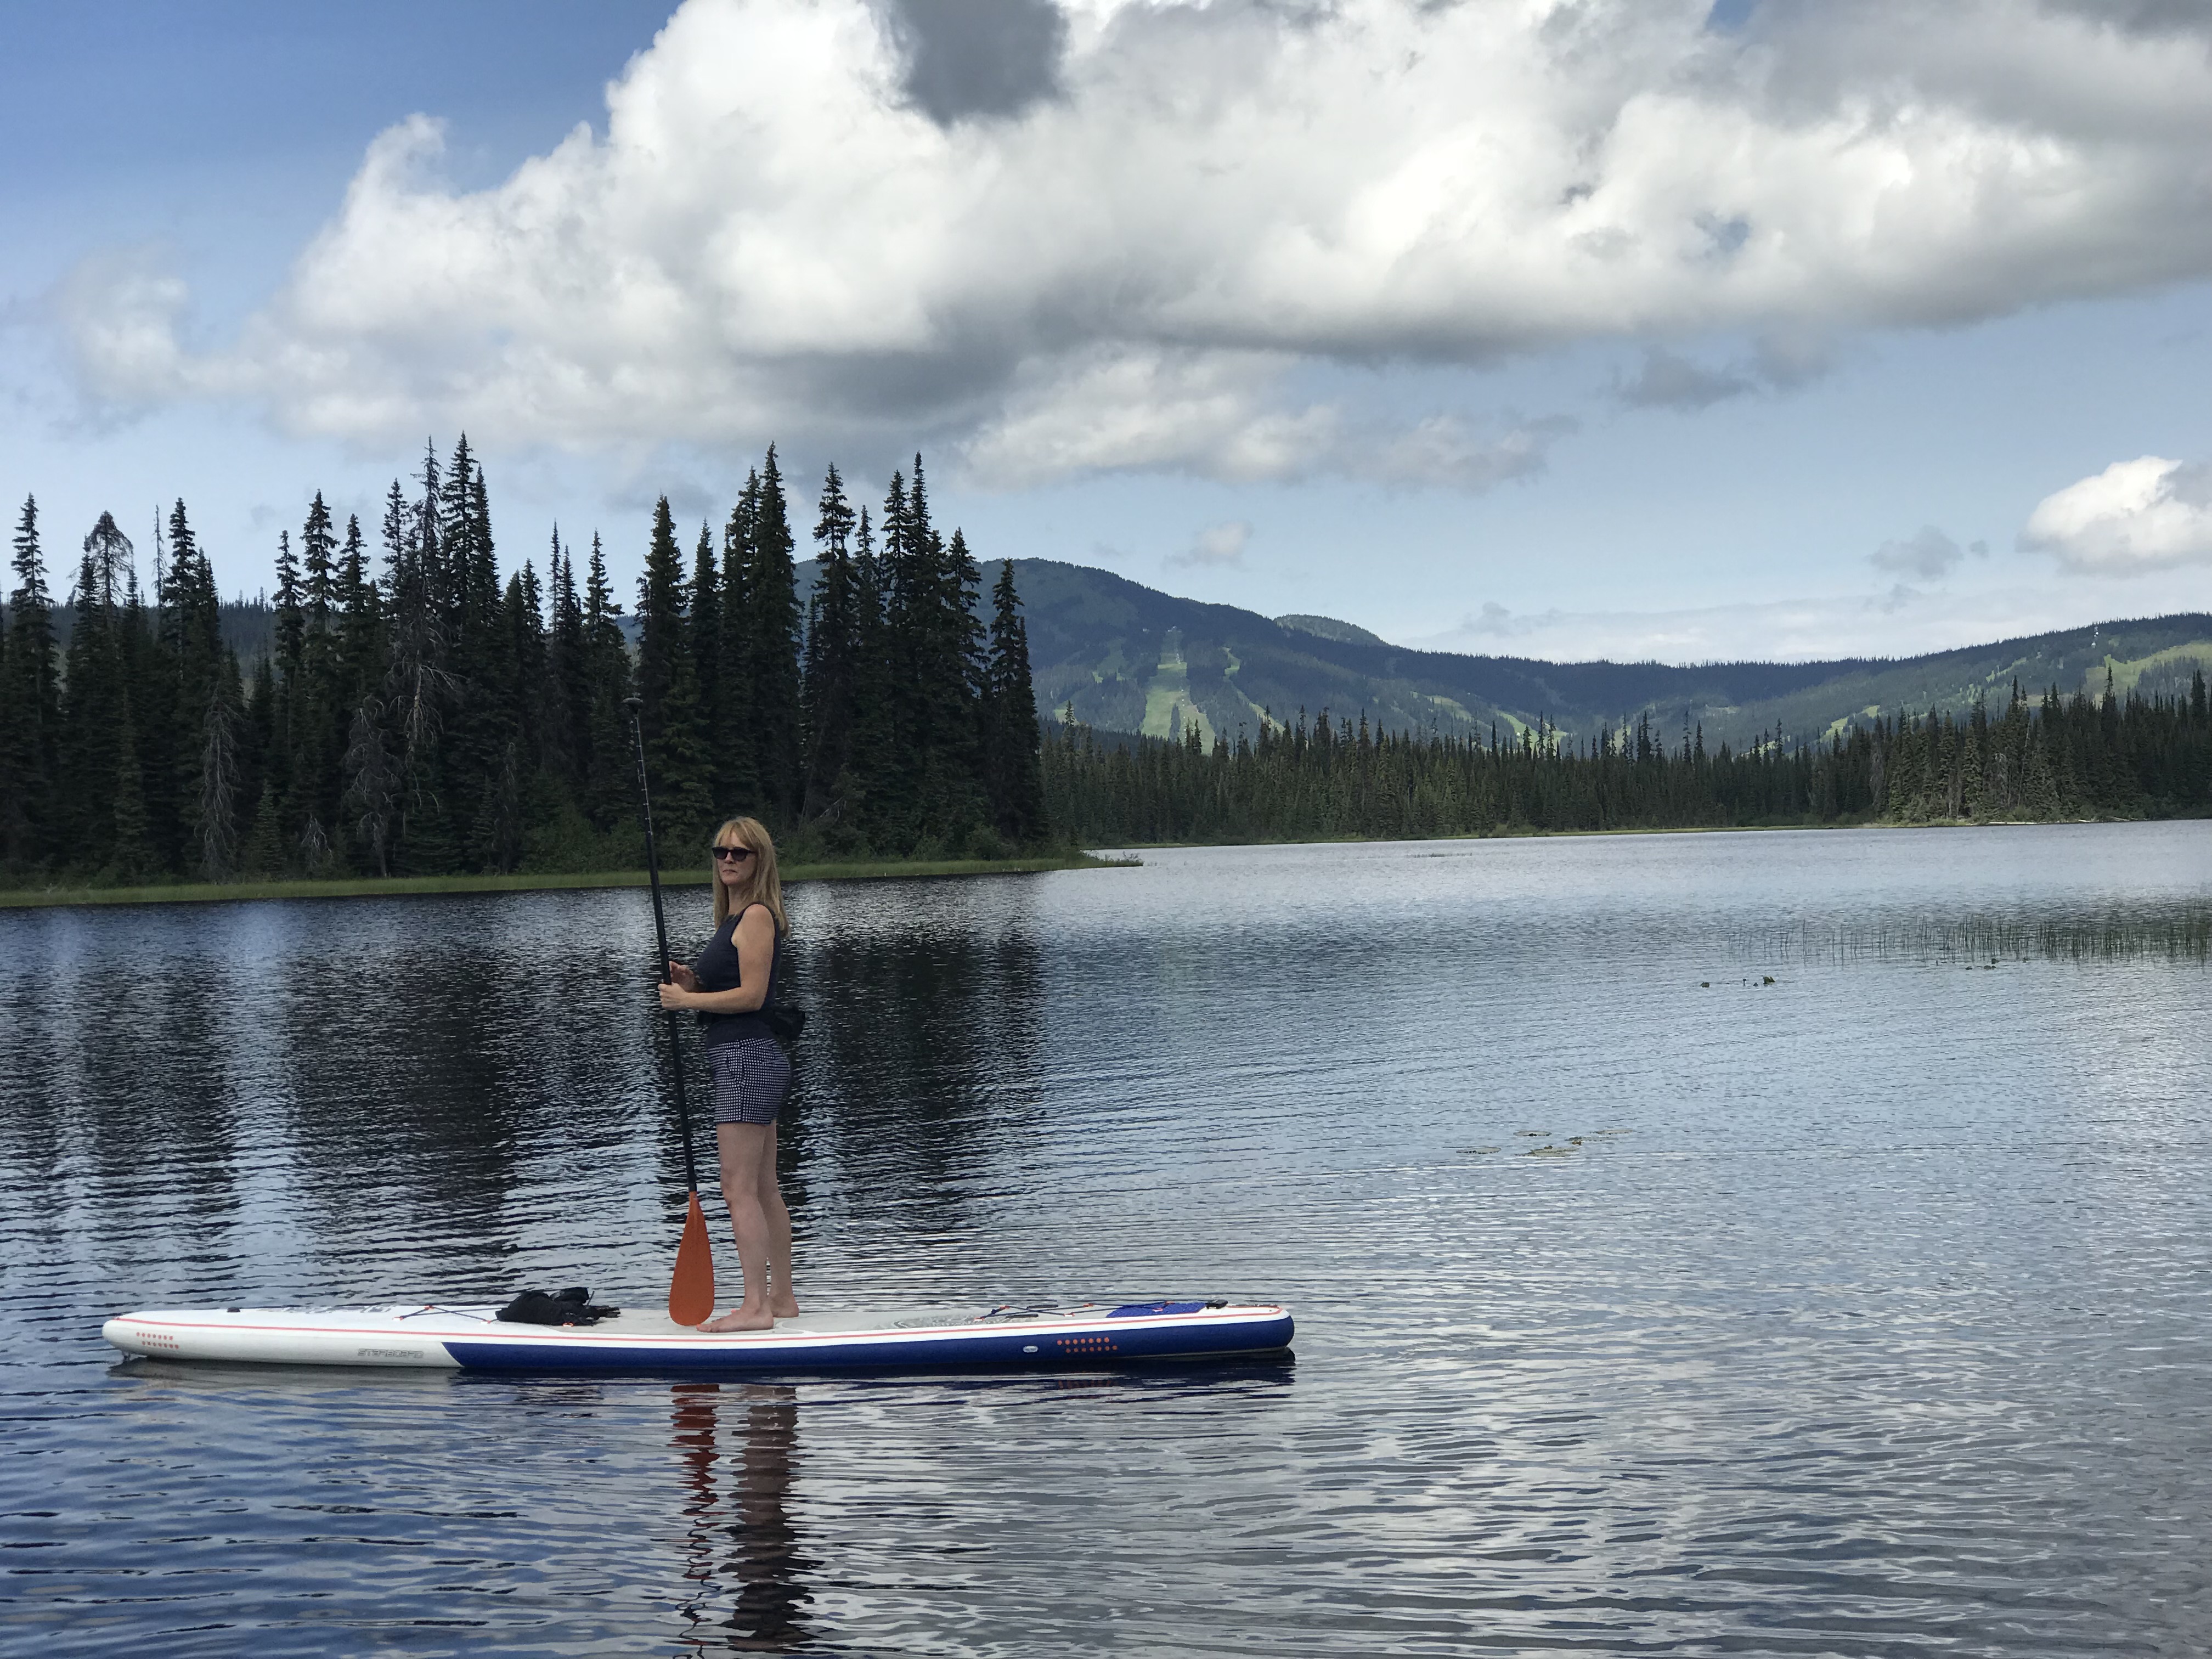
(738, 854)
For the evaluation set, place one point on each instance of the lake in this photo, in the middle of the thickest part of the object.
(1792, 1243)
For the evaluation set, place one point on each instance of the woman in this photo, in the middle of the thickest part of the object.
(732, 980)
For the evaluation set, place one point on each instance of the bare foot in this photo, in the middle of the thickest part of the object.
(784, 1307)
(740, 1319)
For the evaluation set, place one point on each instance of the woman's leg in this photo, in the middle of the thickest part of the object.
(743, 1147)
(782, 1299)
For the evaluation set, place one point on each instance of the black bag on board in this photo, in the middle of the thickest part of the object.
(570, 1307)
(784, 1022)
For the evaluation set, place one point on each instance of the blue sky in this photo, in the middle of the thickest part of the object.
(1798, 332)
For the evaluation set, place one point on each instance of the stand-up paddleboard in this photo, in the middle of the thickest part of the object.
(445, 1336)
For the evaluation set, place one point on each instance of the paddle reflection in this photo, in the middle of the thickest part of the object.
(747, 1589)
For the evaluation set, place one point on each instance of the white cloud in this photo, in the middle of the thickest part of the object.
(2149, 513)
(1218, 547)
(1223, 415)
(1115, 249)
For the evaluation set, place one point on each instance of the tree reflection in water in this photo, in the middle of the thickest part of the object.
(747, 1576)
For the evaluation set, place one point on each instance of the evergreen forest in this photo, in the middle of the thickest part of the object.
(417, 715)
(414, 712)
(2055, 758)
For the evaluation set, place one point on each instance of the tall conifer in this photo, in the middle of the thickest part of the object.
(568, 718)
(1012, 772)
(772, 600)
(96, 750)
(31, 734)
(706, 635)
(206, 695)
(737, 769)
(833, 623)
(420, 683)
(360, 643)
(871, 767)
(668, 684)
(613, 783)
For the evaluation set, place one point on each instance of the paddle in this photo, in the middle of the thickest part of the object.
(691, 1288)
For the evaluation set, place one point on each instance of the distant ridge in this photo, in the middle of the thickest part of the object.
(1329, 628)
(1127, 658)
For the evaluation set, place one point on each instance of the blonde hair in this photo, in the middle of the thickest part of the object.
(764, 886)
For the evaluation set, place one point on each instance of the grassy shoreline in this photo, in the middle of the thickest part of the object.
(407, 886)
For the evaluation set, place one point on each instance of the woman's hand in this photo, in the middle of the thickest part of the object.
(683, 976)
(675, 996)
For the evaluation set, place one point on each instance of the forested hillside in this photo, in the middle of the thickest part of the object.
(2115, 756)
(400, 704)
(1128, 659)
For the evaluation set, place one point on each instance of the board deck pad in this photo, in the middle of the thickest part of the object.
(469, 1336)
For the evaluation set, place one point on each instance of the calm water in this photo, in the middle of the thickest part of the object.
(1645, 1306)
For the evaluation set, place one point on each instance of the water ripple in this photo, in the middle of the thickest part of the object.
(1697, 1249)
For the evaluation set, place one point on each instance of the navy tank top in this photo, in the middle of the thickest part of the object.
(718, 970)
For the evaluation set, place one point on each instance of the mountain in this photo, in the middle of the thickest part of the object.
(1329, 629)
(1128, 659)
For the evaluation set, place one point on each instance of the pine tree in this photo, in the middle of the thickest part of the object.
(569, 712)
(706, 622)
(961, 794)
(165, 722)
(96, 710)
(318, 544)
(392, 649)
(291, 612)
(934, 644)
(215, 805)
(524, 610)
(15, 821)
(833, 627)
(31, 725)
(479, 725)
(613, 788)
(360, 635)
(737, 776)
(204, 693)
(669, 686)
(895, 798)
(374, 646)
(870, 796)
(1012, 771)
(772, 601)
(419, 684)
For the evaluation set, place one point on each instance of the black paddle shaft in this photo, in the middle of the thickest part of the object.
(636, 705)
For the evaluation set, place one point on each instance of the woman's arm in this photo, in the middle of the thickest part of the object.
(756, 952)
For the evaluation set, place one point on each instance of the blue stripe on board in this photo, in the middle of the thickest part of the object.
(998, 1348)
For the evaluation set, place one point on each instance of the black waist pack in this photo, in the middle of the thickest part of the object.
(572, 1307)
(784, 1023)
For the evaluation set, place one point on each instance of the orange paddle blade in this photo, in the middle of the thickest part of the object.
(691, 1291)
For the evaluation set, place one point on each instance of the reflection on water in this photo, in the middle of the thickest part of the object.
(1688, 1257)
(738, 1444)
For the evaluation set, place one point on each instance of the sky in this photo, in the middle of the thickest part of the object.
(1577, 328)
